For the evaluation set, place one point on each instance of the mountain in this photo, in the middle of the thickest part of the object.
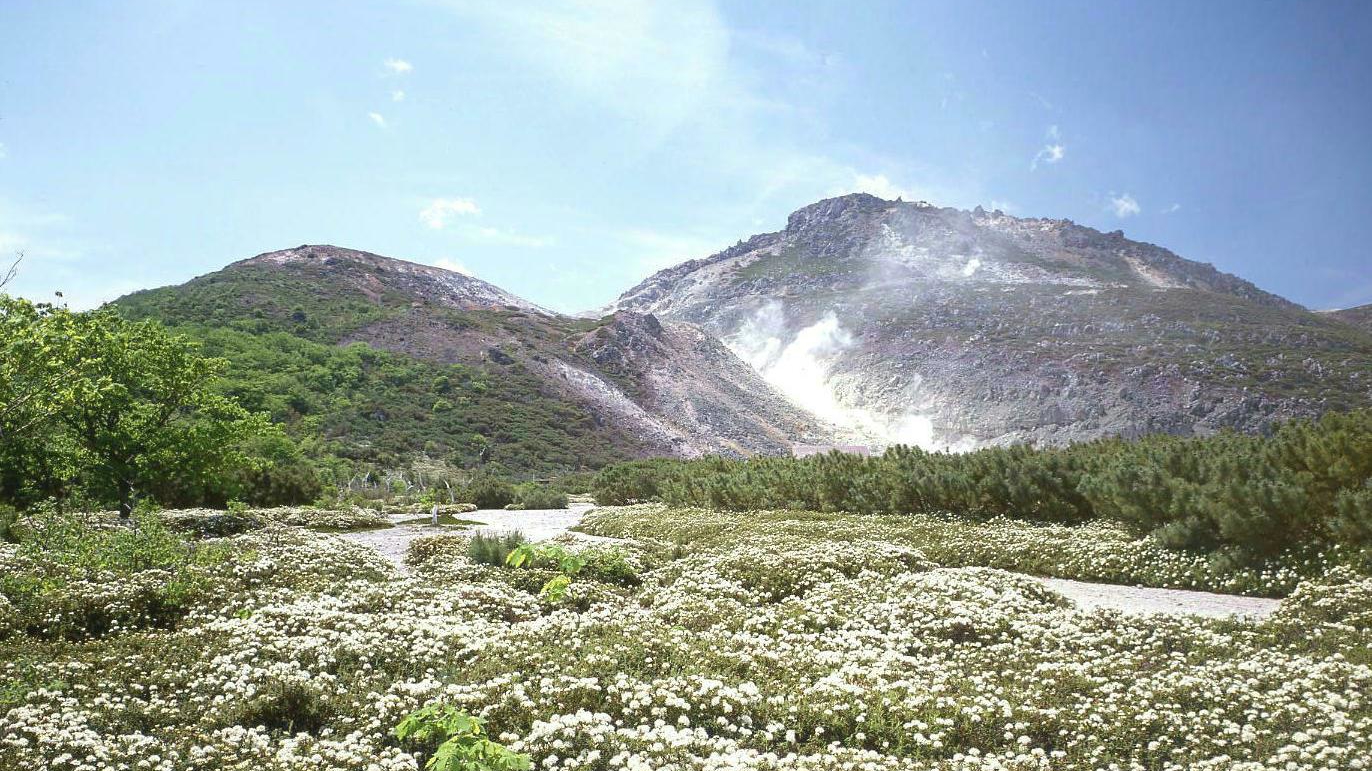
(1360, 317)
(906, 322)
(380, 358)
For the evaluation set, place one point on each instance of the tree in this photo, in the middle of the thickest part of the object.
(109, 407)
(37, 369)
(144, 409)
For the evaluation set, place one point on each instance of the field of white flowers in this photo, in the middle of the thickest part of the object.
(740, 641)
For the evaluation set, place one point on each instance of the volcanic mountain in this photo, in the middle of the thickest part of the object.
(385, 358)
(906, 322)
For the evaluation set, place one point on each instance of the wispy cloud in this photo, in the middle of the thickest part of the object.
(440, 210)
(378, 119)
(676, 74)
(57, 260)
(449, 263)
(1173, 209)
(397, 95)
(657, 64)
(1052, 152)
(4, 153)
(398, 66)
(1124, 205)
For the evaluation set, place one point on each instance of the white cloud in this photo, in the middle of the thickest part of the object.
(658, 64)
(448, 263)
(1052, 152)
(880, 186)
(399, 66)
(676, 74)
(440, 210)
(397, 95)
(675, 77)
(378, 119)
(1124, 205)
(1173, 209)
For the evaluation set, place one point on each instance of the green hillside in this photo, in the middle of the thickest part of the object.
(287, 336)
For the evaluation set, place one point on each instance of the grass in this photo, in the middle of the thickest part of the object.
(493, 548)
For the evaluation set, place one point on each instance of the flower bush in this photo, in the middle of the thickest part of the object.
(776, 641)
(1098, 551)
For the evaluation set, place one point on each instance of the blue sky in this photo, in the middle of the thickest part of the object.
(564, 150)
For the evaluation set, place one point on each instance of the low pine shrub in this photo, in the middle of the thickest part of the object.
(493, 548)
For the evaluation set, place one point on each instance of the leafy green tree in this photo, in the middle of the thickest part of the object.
(145, 410)
(37, 371)
(93, 404)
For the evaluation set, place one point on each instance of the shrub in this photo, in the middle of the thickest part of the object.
(532, 495)
(462, 744)
(489, 492)
(76, 578)
(610, 565)
(9, 516)
(1243, 499)
(427, 547)
(493, 548)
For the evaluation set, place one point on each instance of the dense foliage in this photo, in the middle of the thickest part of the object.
(746, 641)
(100, 410)
(293, 351)
(1240, 497)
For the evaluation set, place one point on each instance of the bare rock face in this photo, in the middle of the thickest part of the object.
(374, 276)
(905, 322)
(694, 383)
(671, 387)
(1359, 317)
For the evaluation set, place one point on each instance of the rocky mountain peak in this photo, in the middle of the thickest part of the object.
(907, 322)
(824, 213)
(376, 275)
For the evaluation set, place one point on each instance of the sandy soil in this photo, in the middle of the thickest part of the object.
(540, 525)
(1137, 599)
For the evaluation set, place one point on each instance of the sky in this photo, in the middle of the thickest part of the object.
(565, 150)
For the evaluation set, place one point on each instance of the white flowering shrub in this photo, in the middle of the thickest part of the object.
(1339, 599)
(1098, 551)
(763, 641)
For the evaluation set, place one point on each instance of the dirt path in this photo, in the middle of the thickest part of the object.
(540, 525)
(1137, 599)
(535, 524)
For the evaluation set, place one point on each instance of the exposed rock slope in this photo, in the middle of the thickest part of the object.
(644, 387)
(1360, 317)
(947, 328)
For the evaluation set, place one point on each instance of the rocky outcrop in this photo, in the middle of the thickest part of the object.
(674, 388)
(955, 329)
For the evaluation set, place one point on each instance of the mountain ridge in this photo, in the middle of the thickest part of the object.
(619, 382)
(864, 320)
(956, 329)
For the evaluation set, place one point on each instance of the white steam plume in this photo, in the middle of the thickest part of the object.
(800, 369)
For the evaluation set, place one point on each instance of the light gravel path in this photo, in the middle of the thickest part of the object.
(535, 524)
(1144, 600)
(542, 524)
